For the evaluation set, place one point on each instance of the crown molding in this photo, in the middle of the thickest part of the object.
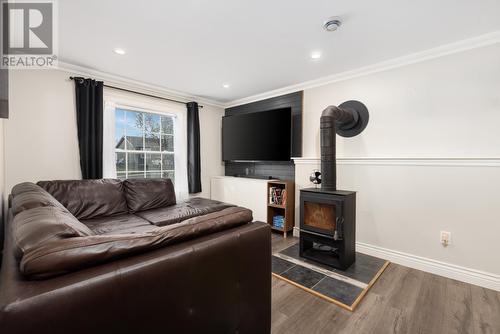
(382, 161)
(440, 51)
(132, 84)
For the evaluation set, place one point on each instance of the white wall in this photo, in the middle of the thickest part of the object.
(445, 107)
(448, 107)
(41, 134)
(2, 160)
(2, 184)
(210, 142)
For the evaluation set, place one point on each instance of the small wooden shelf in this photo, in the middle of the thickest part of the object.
(287, 209)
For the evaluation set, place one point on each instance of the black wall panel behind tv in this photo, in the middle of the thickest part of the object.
(284, 170)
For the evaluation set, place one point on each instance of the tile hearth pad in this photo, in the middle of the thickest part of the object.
(345, 288)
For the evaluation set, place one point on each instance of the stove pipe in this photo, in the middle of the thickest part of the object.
(331, 118)
(348, 120)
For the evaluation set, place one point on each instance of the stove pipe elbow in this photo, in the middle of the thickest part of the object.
(348, 120)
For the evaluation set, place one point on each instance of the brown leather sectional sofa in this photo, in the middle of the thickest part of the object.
(106, 256)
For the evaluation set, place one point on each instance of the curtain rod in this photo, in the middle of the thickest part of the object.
(139, 93)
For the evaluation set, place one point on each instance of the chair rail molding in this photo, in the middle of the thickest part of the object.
(409, 161)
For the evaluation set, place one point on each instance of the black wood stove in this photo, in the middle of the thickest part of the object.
(328, 226)
(328, 215)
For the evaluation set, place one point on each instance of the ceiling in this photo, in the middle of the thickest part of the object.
(195, 46)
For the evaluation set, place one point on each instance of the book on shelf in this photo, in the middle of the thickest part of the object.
(277, 196)
(279, 221)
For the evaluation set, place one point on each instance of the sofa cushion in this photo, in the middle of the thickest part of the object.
(146, 194)
(35, 227)
(181, 211)
(66, 255)
(33, 198)
(87, 199)
(122, 224)
(207, 205)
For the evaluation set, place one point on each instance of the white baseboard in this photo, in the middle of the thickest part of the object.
(459, 273)
(472, 276)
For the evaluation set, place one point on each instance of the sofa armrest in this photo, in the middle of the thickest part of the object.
(220, 283)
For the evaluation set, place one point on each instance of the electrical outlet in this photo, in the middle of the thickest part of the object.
(445, 238)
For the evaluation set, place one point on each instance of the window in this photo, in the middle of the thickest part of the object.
(144, 144)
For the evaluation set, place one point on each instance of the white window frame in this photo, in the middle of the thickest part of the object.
(143, 111)
(114, 99)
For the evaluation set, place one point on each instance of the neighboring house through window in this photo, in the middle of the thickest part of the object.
(144, 144)
(145, 138)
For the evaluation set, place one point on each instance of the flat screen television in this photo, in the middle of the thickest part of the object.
(259, 136)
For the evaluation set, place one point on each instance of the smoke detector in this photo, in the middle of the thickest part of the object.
(332, 24)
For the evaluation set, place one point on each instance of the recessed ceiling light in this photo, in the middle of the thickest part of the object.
(315, 55)
(226, 85)
(119, 51)
(332, 24)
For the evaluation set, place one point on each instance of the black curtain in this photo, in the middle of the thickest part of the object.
(89, 115)
(193, 149)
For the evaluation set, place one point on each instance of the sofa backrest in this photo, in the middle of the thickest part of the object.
(87, 199)
(51, 210)
(28, 195)
(146, 194)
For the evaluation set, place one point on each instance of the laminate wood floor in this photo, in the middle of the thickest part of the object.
(403, 300)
